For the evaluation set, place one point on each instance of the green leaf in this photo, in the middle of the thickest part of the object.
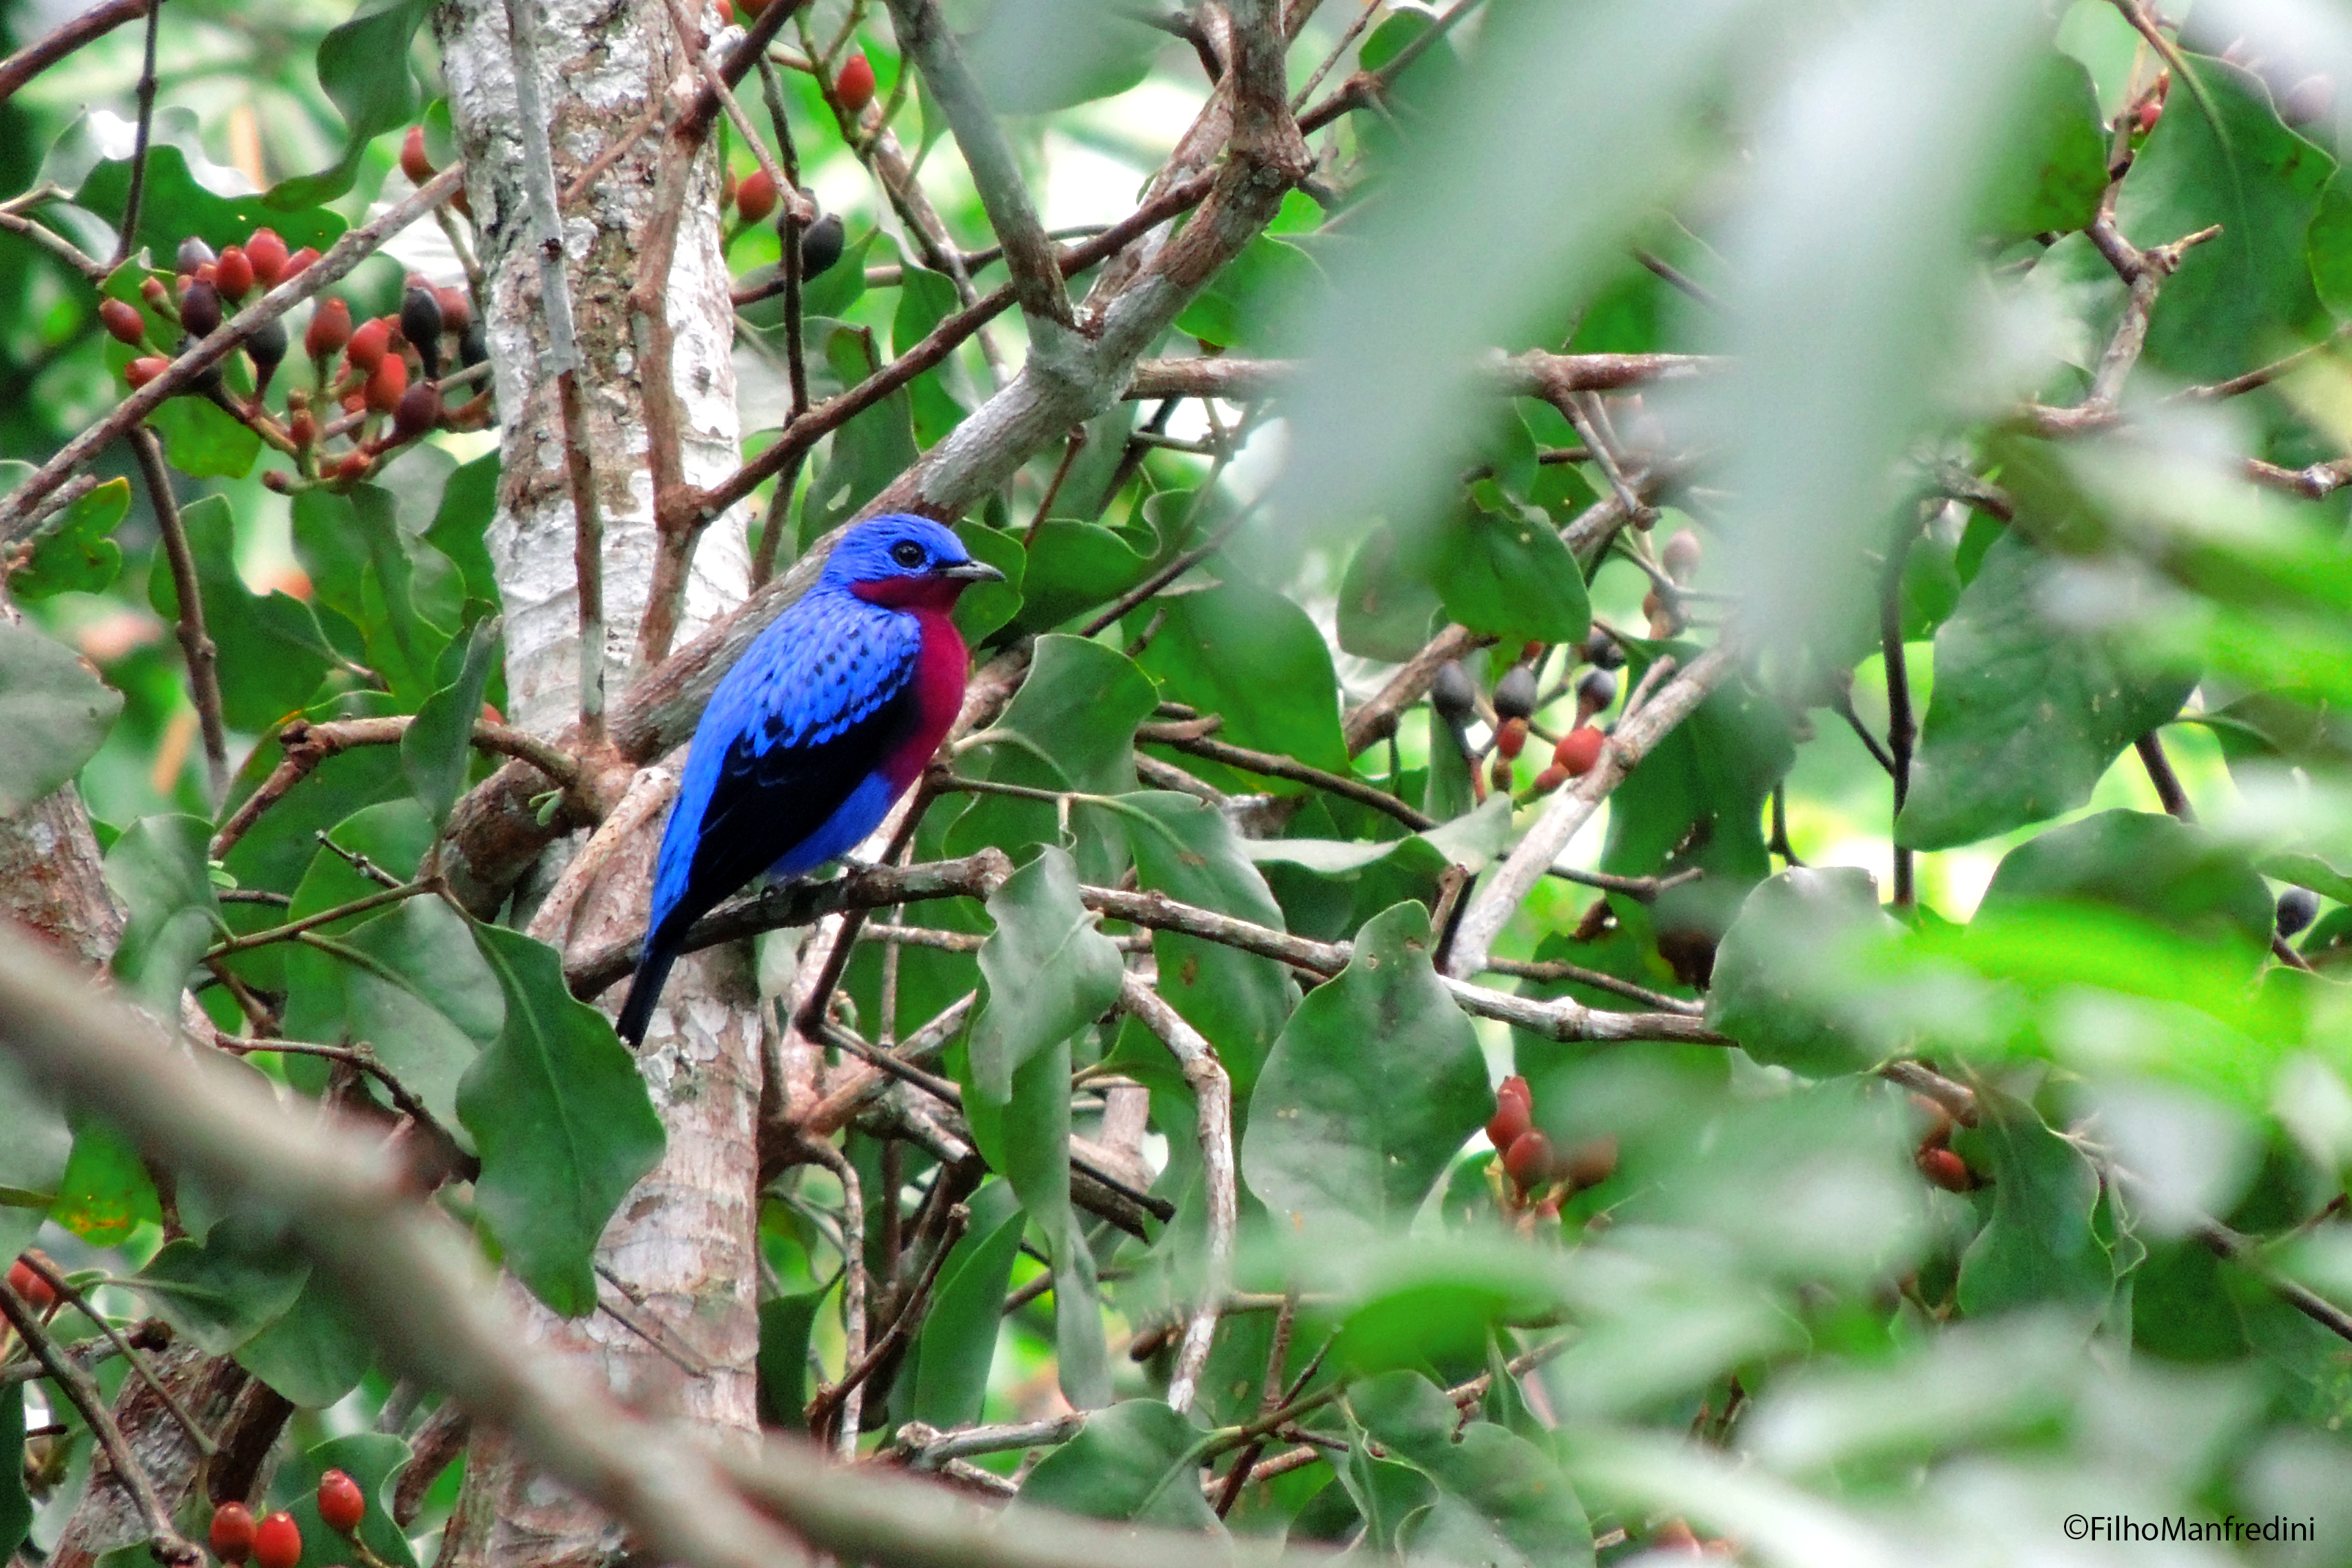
(373, 1459)
(1386, 606)
(561, 1120)
(437, 747)
(1508, 576)
(272, 654)
(34, 1145)
(2219, 314)
(461, 526)
(364, 67)
(2056, 163)
(223, 1291)
(1050, 973)
(2026, 713)
(315, 1353)
(869, 451)
(1374, 1083)
(985, 608)
(158, 868)
(73, 552)
(402, 597)
(1774, 989)
(785, 1324)
(958, 1339)
(47, 689)
(184, 193)
(1239, 1001)
(1251, 656)
(1257, 302)
(104, 1194)
(1036, 56)
(203, 440)
(925, 299)
(1075, 566)
(1499, 1498)
(15, 1503)
(1137, 1461)
(2147, 863)
(2038, 1248)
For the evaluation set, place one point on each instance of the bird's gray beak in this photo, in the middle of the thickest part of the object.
(973, 572)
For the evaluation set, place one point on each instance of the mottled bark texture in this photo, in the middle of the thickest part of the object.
(684, 1243)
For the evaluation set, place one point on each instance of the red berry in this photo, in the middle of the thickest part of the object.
(354, 465)
(1527, 1160)
(303, 428)
(297, 262)
(146, 368)
(1674, 1536)
(1511, 737)
(232, 274)
(267, 254)
(1510, 1121)
(1592, 1161)
(233, 1533)
(369, 341)
(1516, 1088)
(277, 1541)
(341, 1503)
(330, 329)
(1550, 779)
(1579, 750)
(413, 161)
(27, 1282)
(750, 9)
(1934, 1121)
(387, 384)
(755, 198)
(457, 309)
(1945, 1169)
(124, 321)
(854, 85)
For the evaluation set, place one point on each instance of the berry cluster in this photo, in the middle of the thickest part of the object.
(375, 384)
(1540, 1180)
(276, 1542)
(1515, 702)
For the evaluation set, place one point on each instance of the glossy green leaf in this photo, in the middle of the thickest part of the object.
(1254, 658)
(203, 440)
(925, 299)
(1239, 1001)
(2038, 1246)
(34, 1143)
(958, 1344)
(2057, 159)
(1508, 575)
(461, 526)
(2027, 712)
(984, 607)
(223, 1291)
(15, 1503)
(186, 192)
(561, 1120)
(1499, 1498)
(1374, 1083)
(1776, 989)
(1075, 566)
(46, 689)
(785, 1324)
(2218, 314)
(157, 868)
(272, 654)
(364, 67)
(104, 1194)
(1050, 971)
(1137, 1461)
(2147, 863)
(315, 1352)
(401, 597)
(436, 750)
(73, 552)
(1387, 608)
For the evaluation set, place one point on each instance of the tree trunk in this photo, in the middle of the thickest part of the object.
(680, 1259)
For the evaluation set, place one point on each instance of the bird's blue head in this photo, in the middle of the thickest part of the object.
(905, 562)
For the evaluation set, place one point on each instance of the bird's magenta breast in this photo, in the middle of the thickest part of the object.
(940, 672)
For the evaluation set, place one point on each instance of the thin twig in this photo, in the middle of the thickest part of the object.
(40, 55)
(49, 1272)
(196, 645)
(853, 1286)
(2167, 782)
(1900, 729)
(1213, 1095)
(166, 1542)
(128, 240)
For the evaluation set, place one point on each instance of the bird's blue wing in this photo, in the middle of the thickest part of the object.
(794, 731)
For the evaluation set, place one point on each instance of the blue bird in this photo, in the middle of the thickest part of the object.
(826, 719)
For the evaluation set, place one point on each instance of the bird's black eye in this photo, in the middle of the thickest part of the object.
(907, 552)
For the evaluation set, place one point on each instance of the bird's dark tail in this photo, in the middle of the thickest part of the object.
(646, 990)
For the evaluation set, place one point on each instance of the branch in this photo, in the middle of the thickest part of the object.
(39, 55)
(127, 240)
(1508, 887)
(924, 38)
(167, 1543)
(1213, 1095)
(1376, 718)
(1531, 375)
(355, 247)
(404, 1269)
(1271, 766)
(34, 1259)
(203, 656)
